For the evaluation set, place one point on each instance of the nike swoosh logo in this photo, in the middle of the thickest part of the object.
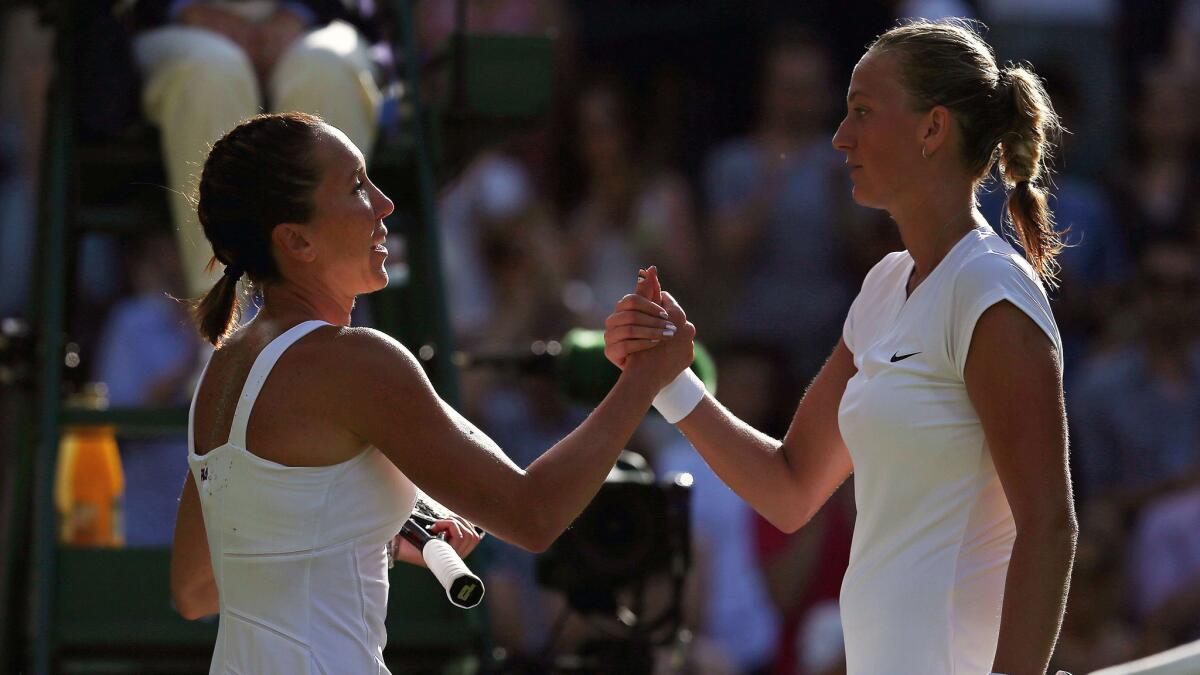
(897, 357)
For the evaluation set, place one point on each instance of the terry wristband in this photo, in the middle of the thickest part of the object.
(678, 399)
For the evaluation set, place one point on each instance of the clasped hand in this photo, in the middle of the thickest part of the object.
(648, 329)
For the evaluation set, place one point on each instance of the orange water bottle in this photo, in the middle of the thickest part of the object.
(90, 485)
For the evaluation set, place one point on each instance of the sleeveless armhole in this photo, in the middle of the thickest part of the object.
(259, 372)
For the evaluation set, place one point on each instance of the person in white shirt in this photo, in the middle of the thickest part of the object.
(308, 438)
(944, 395)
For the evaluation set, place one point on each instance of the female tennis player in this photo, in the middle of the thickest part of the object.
(307, 438)
(944, 395)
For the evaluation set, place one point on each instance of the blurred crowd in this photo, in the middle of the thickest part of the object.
(696, 137)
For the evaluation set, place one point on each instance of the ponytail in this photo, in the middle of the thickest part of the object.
(1003, 113)
(256, 176)
(1030, 137)
(217, 313)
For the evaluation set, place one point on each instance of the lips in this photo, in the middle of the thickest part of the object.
(378, 242)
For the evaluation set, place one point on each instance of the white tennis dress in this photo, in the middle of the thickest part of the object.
(298, 553)
(934, 532)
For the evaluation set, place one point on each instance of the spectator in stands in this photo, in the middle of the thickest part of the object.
(1078, 34)
(208, 64)
(1165, 568)
(778, 200)
(630, 212)
(1158, 185)
(147, 356)
(1136, 411)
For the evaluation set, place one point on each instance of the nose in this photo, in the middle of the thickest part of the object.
(383, 205)
(842, 138)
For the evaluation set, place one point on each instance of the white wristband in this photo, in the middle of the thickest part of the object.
(678, 399)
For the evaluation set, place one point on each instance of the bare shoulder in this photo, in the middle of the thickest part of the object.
(359, 356)
(364, 374)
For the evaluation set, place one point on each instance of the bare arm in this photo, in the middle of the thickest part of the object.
(786, 482)
(386, 399)
(1021, 409)
(193, 588)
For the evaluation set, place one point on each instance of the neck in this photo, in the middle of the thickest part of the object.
(931, 225)
(292, 302)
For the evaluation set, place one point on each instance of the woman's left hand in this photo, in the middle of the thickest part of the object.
(460, 534)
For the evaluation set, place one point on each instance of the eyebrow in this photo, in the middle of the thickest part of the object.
(357, 168)
(855, 94)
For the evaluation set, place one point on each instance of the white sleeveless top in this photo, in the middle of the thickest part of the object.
(298, 553)
(934, 531)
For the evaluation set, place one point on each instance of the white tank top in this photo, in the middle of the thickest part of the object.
(298, 553)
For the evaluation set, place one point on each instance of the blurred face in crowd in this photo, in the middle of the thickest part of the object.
(881, 133)
(603, 136)
(342, 245)
(1165, 113)
(1170, 288)
(797, 88)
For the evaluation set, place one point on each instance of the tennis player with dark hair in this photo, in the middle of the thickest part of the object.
(308, 438)
(944, 395)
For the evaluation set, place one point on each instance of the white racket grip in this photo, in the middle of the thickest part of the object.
(462, 588)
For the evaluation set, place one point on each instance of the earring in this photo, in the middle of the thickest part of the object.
(923, 155)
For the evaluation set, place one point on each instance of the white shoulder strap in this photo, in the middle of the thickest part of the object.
(258, 376)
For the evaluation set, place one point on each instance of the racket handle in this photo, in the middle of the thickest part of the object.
(462, 588)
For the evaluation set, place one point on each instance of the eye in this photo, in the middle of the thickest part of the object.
(359, 186)
(860, 111)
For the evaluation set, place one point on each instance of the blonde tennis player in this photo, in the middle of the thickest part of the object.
(944, 395)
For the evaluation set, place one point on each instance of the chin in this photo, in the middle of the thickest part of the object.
(380, 281)
(863, 197)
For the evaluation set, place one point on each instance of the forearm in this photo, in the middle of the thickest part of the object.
(1035, 595)
(561, 483)
(750, 462)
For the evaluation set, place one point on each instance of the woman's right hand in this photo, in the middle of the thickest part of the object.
(654, 338)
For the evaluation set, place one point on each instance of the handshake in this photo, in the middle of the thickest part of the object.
(648, 335)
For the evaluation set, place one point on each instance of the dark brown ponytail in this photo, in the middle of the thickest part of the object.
(257, 176)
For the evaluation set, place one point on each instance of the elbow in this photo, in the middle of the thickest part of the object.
(788, 521)
(191, 613)
(188, 607)
(526, 527)
(539, 535)
(538, 545)
(1059, 528)
(193, 601)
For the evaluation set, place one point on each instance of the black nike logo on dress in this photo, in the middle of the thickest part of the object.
(896, 357)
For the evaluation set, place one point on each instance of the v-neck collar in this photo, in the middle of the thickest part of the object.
(911, 265)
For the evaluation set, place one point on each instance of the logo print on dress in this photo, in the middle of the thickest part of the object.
(896, 357)
(203, 473)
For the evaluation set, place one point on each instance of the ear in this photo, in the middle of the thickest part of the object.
(293, 242)
(935, 129)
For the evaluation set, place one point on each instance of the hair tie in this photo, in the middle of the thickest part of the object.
(234, 272)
